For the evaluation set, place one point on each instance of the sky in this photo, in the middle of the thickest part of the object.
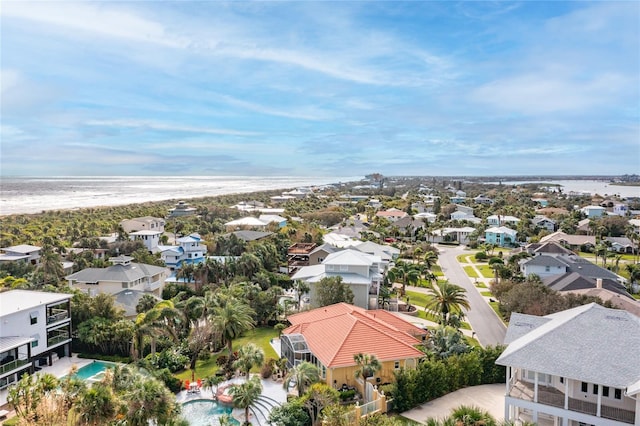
(319, 88)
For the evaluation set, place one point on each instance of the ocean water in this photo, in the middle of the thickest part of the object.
(36, 194)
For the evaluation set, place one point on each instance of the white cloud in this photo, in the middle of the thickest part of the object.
(154, 125)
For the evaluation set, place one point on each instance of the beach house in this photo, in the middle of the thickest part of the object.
(575, 367)
(145, 223)
(21, 253)
(188, 250)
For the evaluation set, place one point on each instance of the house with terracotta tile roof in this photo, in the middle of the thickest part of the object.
(391, 214)
(330, 336)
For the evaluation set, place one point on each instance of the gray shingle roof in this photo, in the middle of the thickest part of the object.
(121, 273)
(574, 281)
(589, 343)
(543, 260)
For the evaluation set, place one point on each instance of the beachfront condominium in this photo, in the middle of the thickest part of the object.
(35, 330)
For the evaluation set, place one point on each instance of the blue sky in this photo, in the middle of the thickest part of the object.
(327, 88)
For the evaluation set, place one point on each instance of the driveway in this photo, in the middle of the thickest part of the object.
(485, 397)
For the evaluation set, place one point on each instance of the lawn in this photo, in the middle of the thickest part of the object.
(486, 293)
(470, 271)
(260, 336)
(486, 271)
(496, 308)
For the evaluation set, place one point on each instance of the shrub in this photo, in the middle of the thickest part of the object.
(173, 383)
(171, 358)
(222, 360)
(347, 395)
(266, 371)
(480, 256)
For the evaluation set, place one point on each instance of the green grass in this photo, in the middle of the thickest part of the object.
(416, 298)
(486, 271)
(260, 336)
(462, 258)
(496, 308)
(486, 293)
(470, 271)
(636, 296)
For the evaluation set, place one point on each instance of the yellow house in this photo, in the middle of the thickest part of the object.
(330, 336)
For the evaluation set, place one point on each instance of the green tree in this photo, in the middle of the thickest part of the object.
(248, 356)
(445, 341)
(407, 273)
(246, 395)
(445, 299)
(332, 290)
(232, 319)
(302, 375)
(368, 365)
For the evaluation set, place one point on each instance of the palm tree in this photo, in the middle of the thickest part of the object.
(97, 405)
(472, 416)
(447, 298)
(446, 341)
(212, 382)
(248, 356)
(368, 365)
(246, 394)
(407, 272)
(303, 375)
(429, 258)
(232, 319)
(496, 264)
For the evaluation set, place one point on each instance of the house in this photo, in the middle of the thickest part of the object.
(145, 223)
(362, 272)
(575, 367)
(248, 222)
(593, 211)
(188, 251)
(575, 242)
(338, 239)
(460, 235)
(122, 274)
(461, 215)
(583, 226)
(150, 239)
(298, 256)
(635, 224)
(21, 253)
(280, 221)
(408, 225)
(621, 245)
(330, 336)
(544, 222)
(248, 235)
(546, 265)
(35, 331)
(182, 209)
(575, 281)
(457, 200)
(374, 203)
(499, 220)
(320, 253)
(277, 199)
(392, 214)
(481, 199)
(620, 209)
(387, 253)
(542, 202)
(501, 236)
(128, 299)
(249, 206)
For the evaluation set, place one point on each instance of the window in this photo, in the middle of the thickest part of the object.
(595, 389)
(617, 394)
(33, 317)
(547, 268)
(396, 365)
(585, 387)
(561, 379)
(34, 343)
(605, 391)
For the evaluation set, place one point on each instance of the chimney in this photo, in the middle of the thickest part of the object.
(598, 282)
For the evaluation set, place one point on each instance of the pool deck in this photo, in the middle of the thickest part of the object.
(270, 389)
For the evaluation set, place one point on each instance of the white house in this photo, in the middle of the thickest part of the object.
(620, 209)
(273, 218)
(35, 331)
(182, 209)
(362, 272)
(499, 220)
(123, 274)
(188, 251)
(575, 367)
(544, 223)
(21, 253)
(593, 211)
(246, 223)
(150, 239)
(145, 223)
(460, 235)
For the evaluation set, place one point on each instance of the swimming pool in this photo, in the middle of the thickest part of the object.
(204, 412)
(93, 372)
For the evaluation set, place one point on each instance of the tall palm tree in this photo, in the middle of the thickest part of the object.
(303, 375)
(246, 394)
(248, 356)
(406, 272)
(447, 298)
(232, 319)
(368, 365)
(496, 264)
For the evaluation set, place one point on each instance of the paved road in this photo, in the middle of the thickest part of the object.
(490, 330)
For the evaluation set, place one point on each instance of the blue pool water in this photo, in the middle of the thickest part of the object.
(93, 371)
(204, 412)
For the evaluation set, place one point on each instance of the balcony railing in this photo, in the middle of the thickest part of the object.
(12, 365)
(54, 340)
(59, 316)
(555, 398)
(152, 286)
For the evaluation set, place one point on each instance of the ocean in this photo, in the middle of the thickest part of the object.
(37, 194)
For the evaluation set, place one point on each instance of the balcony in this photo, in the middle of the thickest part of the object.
(57, 315)
(13, 365)
(152, 286)
(553, 397)
(54, 340)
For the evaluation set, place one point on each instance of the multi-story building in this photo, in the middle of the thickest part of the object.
(145, 223)
(21, 253)
(35, 330)
(188, 251)
(123, 274)
(577, 367)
